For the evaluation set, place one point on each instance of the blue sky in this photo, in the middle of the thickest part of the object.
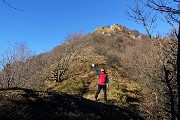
(44, 24)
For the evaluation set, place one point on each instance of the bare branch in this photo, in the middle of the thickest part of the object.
(144, 17)
(11, 6)
(161, 7)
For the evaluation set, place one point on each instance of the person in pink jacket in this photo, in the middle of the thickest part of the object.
(103, 82)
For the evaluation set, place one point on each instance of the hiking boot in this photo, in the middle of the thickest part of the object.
(96, 98)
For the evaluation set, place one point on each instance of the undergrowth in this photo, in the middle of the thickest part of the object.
(73, 87)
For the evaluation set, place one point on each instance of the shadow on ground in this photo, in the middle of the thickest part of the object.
(26, 104)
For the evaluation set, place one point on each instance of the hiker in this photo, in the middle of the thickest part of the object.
(103, 82)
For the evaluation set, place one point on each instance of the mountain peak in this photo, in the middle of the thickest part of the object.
(109, 30)
(118, 29)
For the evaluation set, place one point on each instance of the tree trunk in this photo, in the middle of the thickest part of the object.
(178, 72)
(171, 95)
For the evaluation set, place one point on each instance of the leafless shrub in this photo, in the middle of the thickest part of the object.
(143, 63)
(13, 62)
(62, 56)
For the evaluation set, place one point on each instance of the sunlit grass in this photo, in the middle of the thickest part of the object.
(73, 87)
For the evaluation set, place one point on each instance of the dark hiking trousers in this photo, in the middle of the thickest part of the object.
(99, 90)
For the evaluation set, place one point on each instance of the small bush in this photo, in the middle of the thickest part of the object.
(73, 87)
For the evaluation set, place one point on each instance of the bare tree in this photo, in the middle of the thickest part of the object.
(143, 16)
(169, 10)
(13, 61)
(62, 56)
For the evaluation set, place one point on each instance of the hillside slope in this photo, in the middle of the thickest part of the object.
(103, 50)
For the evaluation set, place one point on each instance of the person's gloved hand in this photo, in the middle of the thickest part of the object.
(93, 65)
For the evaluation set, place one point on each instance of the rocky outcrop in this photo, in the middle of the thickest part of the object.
(118, 29)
